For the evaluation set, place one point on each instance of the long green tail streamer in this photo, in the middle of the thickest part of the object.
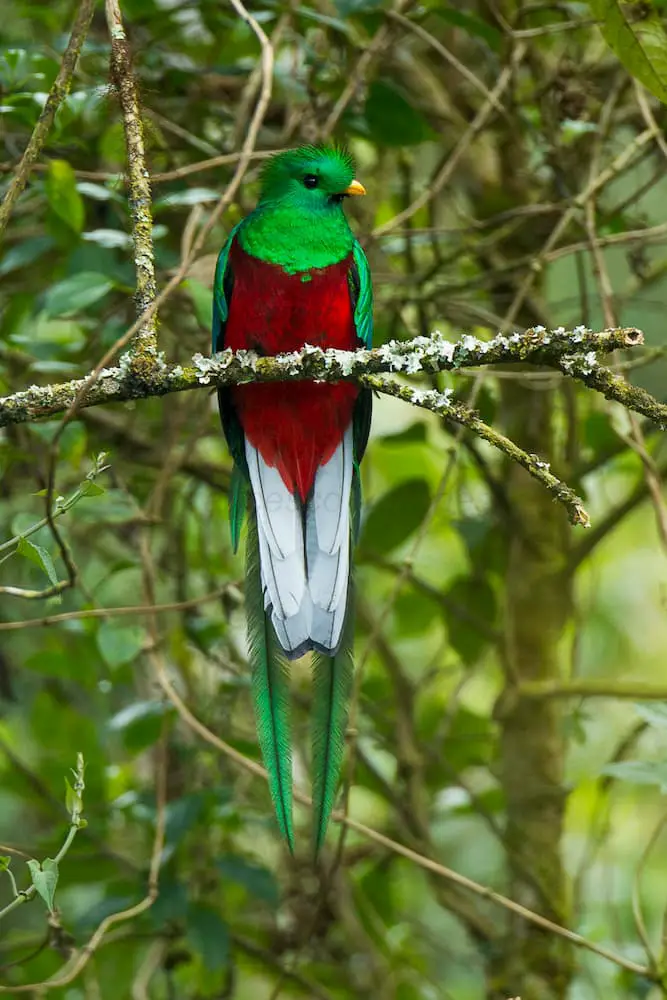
(270, 689)
(332, 690)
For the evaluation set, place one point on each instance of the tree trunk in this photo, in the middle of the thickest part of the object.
(534, 965)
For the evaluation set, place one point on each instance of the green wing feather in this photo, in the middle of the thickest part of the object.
(270, 689)
(332, 690)
(223, 285)
(238, 501)
(362, 294)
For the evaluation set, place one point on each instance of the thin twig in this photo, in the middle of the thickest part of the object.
(451, 163)
(392, 845)
(635, 438)
(162, 177)
(442, 50)
(636, 890)
(381, 39)
(438, 403)
(593, 688)
(80, 958)
(57, 95)
(617, 165)
(231, 189)
(229, 589)
(76, 823)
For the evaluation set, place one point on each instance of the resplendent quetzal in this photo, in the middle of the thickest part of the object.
(290, 274)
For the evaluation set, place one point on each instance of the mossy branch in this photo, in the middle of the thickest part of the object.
(573, 352)
(144, 346)
(434, 354)
(457, 413)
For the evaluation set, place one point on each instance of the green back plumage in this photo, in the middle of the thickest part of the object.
(270, 689)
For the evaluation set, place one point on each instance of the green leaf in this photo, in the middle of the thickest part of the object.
(98, 191)
(25, 253)
(201, 300)
(73, 802)
(414, 434)
(114, 507)
(139, 724)
(39, 556)
(76, 293)
(113, 239)
(639, 772)
(396, 515)
(181, 816)
(65, 334)
(135, 713)
(257, 880)
(415, 613)
(392, 120)
(67, 368)
(469, 740)
(346, 8)
(171, 904)
(472, 598)
(636, 35)
(45, 879)
(63, 197)
(5, 862)
(119, 644)
(190, 196)
(91, 489)
(208, 936)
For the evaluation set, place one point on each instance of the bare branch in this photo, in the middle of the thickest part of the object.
(393, 846)
(454, 158)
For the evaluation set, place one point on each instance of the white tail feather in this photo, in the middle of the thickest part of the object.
(305, 579)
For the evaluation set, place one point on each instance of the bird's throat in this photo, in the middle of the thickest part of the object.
(294, 240)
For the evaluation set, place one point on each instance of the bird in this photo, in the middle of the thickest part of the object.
(292, 274)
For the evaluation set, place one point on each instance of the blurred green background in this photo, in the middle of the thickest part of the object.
(511, 719)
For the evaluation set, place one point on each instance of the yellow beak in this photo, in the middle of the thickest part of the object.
(355, 188)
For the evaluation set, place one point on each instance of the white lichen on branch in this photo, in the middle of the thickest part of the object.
(443, 404)
(122, 382)
(538, 346)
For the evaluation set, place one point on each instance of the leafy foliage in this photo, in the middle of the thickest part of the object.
(486, 630)
(637, 35)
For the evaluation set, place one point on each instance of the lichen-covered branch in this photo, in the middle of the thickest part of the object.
(442, 404)
(422, 354)
(435, 354)
(612, 386)
(144, 347)
(57, 94)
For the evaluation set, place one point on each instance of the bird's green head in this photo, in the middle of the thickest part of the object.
(310, 178)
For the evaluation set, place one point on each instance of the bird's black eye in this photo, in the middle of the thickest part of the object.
(311, 181)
